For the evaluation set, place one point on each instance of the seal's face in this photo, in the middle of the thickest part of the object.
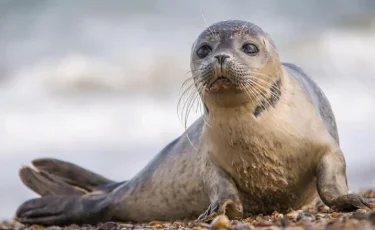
(233, 58)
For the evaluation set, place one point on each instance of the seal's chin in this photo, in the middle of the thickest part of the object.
(221, 84)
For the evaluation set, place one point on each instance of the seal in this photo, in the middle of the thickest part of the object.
(266, 141)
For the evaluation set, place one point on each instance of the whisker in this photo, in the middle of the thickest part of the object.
(205, 21)
(265, 85)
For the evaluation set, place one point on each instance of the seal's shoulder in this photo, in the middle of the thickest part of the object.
(316, 95)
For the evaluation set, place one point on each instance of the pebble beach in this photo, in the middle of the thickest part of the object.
(322, 218)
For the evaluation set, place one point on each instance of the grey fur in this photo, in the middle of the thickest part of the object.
(244, 164)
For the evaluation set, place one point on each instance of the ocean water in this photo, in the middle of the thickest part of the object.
(97, 82)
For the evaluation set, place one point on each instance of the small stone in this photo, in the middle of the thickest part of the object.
(285, 222)
(73, 226)
(189, 225)
(279, 216)
(359, 215)
(152, 223)
(292, 215)
(323, 208)
(107, 226)
(54, 228)
(242, 226)
(362, 210)
(157, 226)
(121, 226)
(263, 223)
(371, 217)
(220, 221)
(335, 214)
(36, 227)
(203, 225)
(304, 215)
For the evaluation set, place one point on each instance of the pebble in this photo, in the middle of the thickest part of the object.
(304, 215)
(220, 222)
(284, 222)
(107, 226)
(323, 208)
(243, 226)
(292, 215)
(335, 214)
(36, 227)
(54, 228)
(359, 215)
(121, 226)
(263, 223)
(73, 227)
(371, 217)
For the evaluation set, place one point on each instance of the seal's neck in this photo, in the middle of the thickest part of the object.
(265, 100)
(269, 100)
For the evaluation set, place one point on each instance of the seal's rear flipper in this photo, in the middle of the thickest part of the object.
(56, 177)
(65, 210)
(45, 184)
(71, 173)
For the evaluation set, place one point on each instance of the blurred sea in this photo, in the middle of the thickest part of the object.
(96, 82)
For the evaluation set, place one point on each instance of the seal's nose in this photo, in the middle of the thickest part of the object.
(221, 58)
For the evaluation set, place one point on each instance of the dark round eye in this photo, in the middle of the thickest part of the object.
(250, 49)
(203, 51)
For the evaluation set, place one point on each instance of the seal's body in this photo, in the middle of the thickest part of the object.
(267, 141)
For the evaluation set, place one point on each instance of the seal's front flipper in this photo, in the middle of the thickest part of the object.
(350, 202)
(229, 207)
(332, 184)
(222, 192)
(64, 210)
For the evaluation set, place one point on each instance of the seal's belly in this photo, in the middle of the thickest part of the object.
(273, 185)
(276, 177)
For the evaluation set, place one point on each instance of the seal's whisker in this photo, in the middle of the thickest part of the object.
(205, 21)
(193, 94)
(254, 92)
(261, 93)
(185, 98)
(191, 85)
(266, 86)
(257, 95)
(269, 86)
(204, 114)
(248, 92)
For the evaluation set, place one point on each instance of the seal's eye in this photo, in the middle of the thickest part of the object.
(250, 49)
(203, 51)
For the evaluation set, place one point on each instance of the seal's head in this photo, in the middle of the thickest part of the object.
(234, 62)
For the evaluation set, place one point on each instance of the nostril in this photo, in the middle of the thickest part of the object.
(221, 58)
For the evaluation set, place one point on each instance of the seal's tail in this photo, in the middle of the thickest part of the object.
(56, 177)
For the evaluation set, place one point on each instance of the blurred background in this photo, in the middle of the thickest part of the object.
(97, 82)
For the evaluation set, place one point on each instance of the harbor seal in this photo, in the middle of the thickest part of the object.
(267, 141)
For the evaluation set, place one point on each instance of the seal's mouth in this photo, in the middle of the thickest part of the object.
(221, 80)
(220, 83)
